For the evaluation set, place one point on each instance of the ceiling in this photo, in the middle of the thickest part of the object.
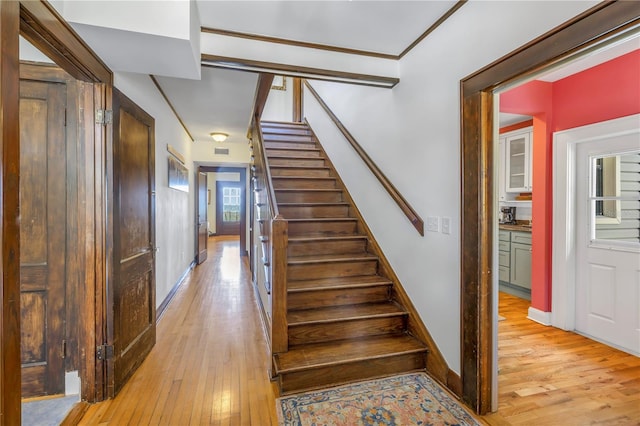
(221, 100)
(374, 26)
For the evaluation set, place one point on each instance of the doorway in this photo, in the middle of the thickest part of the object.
(601, 24)
(235, 179)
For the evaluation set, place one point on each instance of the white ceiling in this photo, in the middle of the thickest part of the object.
(222, 99)
(376, 26)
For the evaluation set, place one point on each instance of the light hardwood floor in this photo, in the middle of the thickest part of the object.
(552, 377)
(209, 365)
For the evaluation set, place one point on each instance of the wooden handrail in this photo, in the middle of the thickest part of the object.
(406, 208)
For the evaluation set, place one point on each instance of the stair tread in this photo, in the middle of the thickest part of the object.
(306, 357)
(324, 219)
(315, 238)
(291, 157)
(286, 166)
(314, 204)
(325, 258)
(344, 313)
(307, 189)
(304, 177)
(292, 148)
(320, 284)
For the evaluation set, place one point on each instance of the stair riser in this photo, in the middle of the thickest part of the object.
(299, 212)
(337, 297)
(270, 130)
(309, 196)
(292, 183)
(337, 228)
(333, 269)
(299, 172)
(288, 145)
(303, 162)
(315, 333)
(292, 153)
(306, 248)
(272, 137)
(349, 372)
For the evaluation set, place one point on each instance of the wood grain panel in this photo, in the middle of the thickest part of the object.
(133, 290)
(134, 175)
(43, 235)
(33, 327)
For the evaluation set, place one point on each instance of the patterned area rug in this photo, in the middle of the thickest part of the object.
(410, 399)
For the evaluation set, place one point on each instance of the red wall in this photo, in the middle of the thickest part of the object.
(609, 90)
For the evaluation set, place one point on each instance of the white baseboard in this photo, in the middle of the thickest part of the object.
(539, 316)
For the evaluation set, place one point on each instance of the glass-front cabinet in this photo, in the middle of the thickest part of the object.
(518, 156)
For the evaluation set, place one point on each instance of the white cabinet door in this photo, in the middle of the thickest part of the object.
(518, 162)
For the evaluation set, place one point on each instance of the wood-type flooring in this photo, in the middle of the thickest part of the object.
(209, 365)
(550, 377)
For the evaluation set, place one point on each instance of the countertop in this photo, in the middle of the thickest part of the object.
(522, 227)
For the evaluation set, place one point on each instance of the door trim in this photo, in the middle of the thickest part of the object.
(563, 308)
(47, 31)
(590, 28)
(243, 212)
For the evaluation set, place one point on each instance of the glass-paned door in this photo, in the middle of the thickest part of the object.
(228, 207)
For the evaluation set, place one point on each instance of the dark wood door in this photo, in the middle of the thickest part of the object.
(42, 236)
(132, 293)
(229, 207)
(203, 231)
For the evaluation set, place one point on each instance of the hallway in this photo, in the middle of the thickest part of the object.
(209, 364)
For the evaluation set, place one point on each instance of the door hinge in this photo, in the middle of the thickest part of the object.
(104, 352)
(104, 116)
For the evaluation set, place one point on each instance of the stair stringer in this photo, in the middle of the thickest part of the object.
(437, 366)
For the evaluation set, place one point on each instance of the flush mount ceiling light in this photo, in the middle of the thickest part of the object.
(219, 137)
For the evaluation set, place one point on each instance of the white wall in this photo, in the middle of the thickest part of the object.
(175, 223)
(413, 133)
(279, 105)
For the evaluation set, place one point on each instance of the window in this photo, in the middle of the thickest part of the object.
(230, 204)
(615, 197)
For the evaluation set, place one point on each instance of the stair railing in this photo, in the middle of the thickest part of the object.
(273, 227)
(404, 205)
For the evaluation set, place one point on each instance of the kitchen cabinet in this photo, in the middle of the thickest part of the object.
(514, 263)
(518, 148)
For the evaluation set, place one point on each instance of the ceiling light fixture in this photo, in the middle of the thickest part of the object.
(219, 137)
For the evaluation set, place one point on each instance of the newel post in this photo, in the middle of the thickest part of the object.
(279, 238)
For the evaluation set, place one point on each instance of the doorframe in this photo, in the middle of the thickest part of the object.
(592, 27)
(243, 211)
(565, 145)
(41, 25)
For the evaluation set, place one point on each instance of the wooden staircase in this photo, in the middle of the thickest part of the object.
(343, 321)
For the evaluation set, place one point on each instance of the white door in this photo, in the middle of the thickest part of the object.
(607, 232)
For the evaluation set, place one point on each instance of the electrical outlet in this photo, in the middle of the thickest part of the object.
(446, 225)
(433, 223)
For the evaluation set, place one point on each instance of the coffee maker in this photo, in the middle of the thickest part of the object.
(507, 215)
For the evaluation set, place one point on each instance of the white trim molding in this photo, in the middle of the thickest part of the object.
(539, 316)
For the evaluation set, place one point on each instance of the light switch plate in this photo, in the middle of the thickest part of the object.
(446, 225)
(433, 223)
